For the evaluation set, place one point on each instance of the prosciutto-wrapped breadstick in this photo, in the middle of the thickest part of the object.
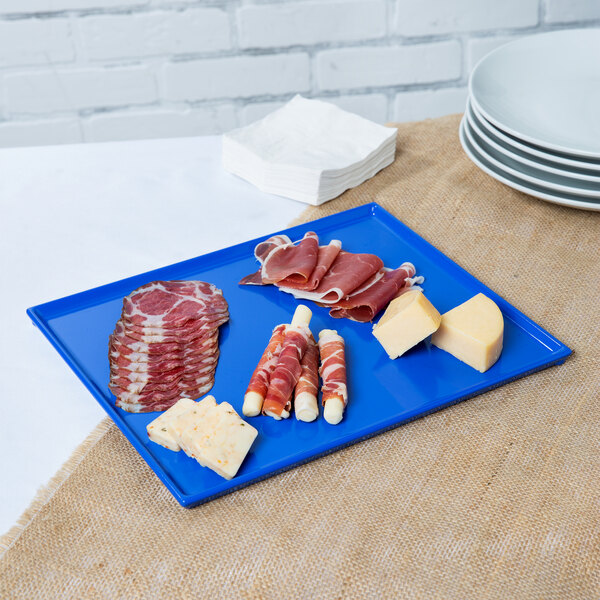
(306, 407)
(259, 382)
(333, 374)
(278, 401)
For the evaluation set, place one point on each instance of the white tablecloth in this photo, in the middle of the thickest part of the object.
(75, 217)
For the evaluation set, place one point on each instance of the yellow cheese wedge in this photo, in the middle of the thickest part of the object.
(160, 431)
(472, 332)
(408, 320)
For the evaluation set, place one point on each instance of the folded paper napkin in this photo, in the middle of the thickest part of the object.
(308, 150)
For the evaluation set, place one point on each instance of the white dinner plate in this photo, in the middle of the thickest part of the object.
(561, 159)
(527, 160)
(549, 181)
(520, 185)
(545, 90)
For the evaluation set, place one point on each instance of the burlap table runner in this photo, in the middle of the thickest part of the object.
(496, 497)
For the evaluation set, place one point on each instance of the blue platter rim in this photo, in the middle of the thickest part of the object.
(42, 313)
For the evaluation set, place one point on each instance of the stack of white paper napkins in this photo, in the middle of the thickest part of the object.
(308, 150)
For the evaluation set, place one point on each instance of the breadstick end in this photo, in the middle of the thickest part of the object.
(302, 316)
(333, 411)
(253, 402)
(306, 407)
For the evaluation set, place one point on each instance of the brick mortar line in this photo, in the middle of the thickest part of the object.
(310, 49)
(388, 91)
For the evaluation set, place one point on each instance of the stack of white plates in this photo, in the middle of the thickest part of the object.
(533, 116)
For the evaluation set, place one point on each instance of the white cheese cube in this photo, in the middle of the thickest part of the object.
(183, 426)
(223, 440)
(159, 430)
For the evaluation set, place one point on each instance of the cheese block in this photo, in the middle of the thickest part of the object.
(473, 332)
(159, 430)
(408, 320)
(223, 440)
(183, 425)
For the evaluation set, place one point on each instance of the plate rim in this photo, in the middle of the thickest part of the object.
(535, 151)
(525, 137)
(475, 124)
(556, 187)
(578, 204)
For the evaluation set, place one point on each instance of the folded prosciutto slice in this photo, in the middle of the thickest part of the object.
(355, 286)
(348, 272)
(326, 257)
(363, 304)
(280, 259)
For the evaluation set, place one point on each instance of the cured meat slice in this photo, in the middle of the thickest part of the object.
(161, 399)
(150, 401)
(122, 377)
(195, 393)
(348, 272)
(259, 382)
(280, 259)
(306, 407)
(333, 374)
(176, 371)
(195, 329)
(123, 336)
(326, 257)
(171, 303)
(141, 363)
(136, 351)
(285, 376)
(364, 304)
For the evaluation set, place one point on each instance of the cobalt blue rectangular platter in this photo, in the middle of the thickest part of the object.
(383, 393)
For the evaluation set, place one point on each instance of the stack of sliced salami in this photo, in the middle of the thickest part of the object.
(353, 286)
(166, 344)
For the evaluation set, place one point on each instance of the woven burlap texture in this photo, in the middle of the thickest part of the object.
(496, 497)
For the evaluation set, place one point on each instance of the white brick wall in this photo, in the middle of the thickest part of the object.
(97, 70)
(309, 23)
(384, 66)
(431, 17)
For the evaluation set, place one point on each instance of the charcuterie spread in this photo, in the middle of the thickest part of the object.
(212, 434)
(353, 286)
(165, 345)
(164, 349)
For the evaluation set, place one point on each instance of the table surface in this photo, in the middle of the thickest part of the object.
(76, 217)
